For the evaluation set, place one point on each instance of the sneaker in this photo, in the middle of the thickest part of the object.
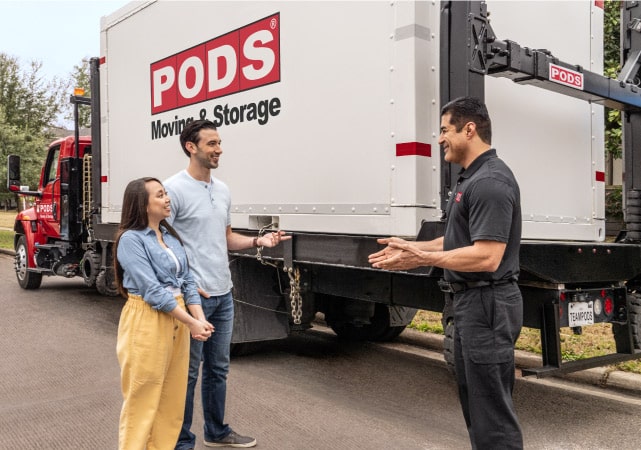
(233, 439)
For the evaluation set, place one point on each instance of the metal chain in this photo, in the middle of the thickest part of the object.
(259, 250)
(294, 294)
(296, 300)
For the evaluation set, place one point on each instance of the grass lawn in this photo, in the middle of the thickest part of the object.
(6, 228)
(6, 239)
(7, 218)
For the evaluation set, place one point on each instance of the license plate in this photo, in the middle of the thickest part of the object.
(580, 313)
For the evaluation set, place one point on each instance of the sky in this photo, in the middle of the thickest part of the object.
(59, 33)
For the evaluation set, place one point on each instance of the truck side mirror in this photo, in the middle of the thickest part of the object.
(13, 173)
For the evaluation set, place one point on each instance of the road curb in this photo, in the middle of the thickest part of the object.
(604, 377)
(7, 252)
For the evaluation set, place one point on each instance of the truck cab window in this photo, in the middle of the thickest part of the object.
(51, 167)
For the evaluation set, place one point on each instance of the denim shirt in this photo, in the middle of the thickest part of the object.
(148, 269)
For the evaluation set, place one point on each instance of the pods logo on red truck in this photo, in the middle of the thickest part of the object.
(243, 59)
(566, 76)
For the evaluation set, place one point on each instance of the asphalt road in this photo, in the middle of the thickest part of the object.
(59, 387)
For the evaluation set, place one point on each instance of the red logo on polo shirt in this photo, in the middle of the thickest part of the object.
(459, 195)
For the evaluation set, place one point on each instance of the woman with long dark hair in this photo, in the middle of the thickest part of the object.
(152, 272)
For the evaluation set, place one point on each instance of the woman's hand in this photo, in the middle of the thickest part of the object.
(201, 330)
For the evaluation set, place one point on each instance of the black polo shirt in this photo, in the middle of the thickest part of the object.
(485, 205)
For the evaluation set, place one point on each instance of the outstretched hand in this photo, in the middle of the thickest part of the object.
(398, 254)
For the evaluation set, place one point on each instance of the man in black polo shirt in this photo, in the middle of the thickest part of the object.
(480, 257)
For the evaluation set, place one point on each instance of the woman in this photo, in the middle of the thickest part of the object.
(153, 334)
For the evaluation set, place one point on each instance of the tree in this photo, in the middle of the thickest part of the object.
(80, 78)
(29, 109)
(29, 102)
(611, 68)
(30, 147)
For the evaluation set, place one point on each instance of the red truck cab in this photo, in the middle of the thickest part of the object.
(49, 235)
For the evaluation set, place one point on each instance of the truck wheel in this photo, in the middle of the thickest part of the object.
(90, 267)
(634, 316)
(106, 283)
(26, 279)
(448, 346)
(389, 334)
(379, 328)
(635, 319)
(382, 330)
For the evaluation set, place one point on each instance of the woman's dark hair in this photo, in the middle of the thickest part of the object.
(191, 133)
(469, 109)
(134, 217)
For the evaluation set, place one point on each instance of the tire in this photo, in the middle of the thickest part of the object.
(378, 329)
(350, 332)
(26, 278)
(105, 283)
(633, 210)
(448, 346)
(633, 226)
(634, 319)
(389, 335)
(90, 267)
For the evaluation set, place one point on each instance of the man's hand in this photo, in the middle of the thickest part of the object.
(387, 253)
(398, 255)
(272, 239)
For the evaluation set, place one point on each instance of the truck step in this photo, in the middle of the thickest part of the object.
(47, 246)
(41, 270)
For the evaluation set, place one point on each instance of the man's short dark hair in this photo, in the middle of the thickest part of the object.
(469, 109)
(191, 133)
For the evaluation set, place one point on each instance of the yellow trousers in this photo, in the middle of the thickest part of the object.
(153, 352)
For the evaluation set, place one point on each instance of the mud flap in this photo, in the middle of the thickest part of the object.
(260, 313)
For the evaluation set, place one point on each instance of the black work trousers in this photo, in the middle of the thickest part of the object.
(487, 323)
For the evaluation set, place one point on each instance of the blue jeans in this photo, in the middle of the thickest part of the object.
(214, 353)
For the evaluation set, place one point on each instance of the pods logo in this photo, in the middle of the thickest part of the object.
(243, 59)
(565, 76)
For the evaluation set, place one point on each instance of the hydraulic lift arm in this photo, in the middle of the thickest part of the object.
(472, 55)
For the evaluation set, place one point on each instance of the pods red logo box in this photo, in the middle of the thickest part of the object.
(243, 59)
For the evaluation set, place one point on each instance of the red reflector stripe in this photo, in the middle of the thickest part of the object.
(413, 149)
(103, 179)
(102, 60)
(599, 3)
(600, 176)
